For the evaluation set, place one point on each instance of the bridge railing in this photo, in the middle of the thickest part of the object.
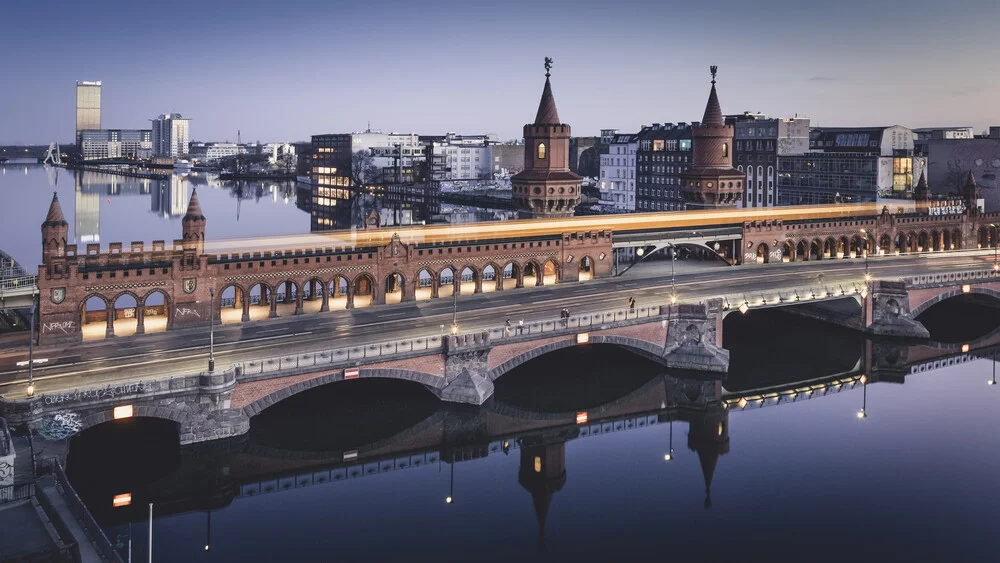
(348, 354)
(952, 277)
(22, 283)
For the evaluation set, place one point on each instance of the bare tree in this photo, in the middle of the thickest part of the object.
(363, 169)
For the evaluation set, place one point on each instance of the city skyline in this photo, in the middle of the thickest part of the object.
(279, 75)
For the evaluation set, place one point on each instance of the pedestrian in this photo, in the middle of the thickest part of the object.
(506, 328)
(631, 303)
(520, 326)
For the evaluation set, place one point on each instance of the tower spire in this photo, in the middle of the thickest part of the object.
(55, 215)
(547, 113)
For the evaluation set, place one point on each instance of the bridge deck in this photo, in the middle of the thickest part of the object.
(529, 228)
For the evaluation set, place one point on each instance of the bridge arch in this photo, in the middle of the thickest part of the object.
(123, 318)
(157, 311)
(586, 268)
(363, 294)
(531, 273)
(95, 312)
(106, 415)
(470, 279)
(424, 286)
(337, 292)
(511, 275)
(314, 295)
(551, 272)
(258, 301)
(395, 287)
(432, 382)
(640, 347)
(788, 251)
(446, 278)
(492, 277)
(916, 310)
(232, 306)
(763, 253)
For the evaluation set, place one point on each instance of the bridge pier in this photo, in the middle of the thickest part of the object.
(887, 311)
(466, 369)
(692, 338)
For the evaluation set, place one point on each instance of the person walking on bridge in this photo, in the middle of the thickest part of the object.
(507, 328)
(631, 303)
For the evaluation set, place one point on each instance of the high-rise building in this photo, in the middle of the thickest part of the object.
(88, 107)
(760, 141)
(170, 135)
(114, 143)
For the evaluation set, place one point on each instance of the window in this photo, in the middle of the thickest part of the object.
(725, 150)
(541, 150)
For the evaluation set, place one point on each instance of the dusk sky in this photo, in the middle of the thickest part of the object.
(287, 70)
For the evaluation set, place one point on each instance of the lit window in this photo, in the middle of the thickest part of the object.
(541, 151)
(725, 150)
(538, 464)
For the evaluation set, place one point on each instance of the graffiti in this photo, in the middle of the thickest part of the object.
(151, 311)
(108, 392)
(129, 313)
(65, 327)
(59, 426)
(184, 311)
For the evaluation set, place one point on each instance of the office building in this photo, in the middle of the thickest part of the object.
(851, 164)
(131, 144)
(88, 107)
(208, 152)
(759, 141)
(170, 135)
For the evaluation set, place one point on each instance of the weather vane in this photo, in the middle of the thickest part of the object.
(548, 66)
(713, 69)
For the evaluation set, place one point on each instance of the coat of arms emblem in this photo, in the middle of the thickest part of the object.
(190, 284)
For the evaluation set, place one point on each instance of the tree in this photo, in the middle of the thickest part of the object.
(363, 169)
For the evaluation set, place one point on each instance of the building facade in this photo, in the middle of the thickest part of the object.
(951, 160)
(130, 144)
(618, 169)
(759, 142)
(854, 164)
(88, 107)
(171, 134)
(711, 181)
(208, 152)
(663, 153)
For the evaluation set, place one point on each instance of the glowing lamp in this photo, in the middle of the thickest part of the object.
(121, 500)
(965, 348)
(667, 457)
(864, 379)
(581, 417)
(448, 500)
(30, 391)
(124, 411)
(744, 308)
(742, 402)
(583, 338)
(966, 288)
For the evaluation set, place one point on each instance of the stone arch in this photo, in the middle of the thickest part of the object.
(935, 243)
(843, 247)
(830, 248)
(287, 298)
(259, 301)
(586, 268)
(469, 279)
(788, 251)
(124, 319)
(314, 295)
(857, 246)
(915, 311)
(97, 318)
(107, 414)
(362, 292)
(816, 249)
(551, 272)
(763, 253)
(956, 239)
(640, 347)
(394, 287)
(922, 242)
(434, 383)
(231, 309)
(447, 280)
(884, 244)
(338, 292)
(155, 317)
(492, 277)
(802, 250)
(531, 273)
(424, 285)
(511, 275)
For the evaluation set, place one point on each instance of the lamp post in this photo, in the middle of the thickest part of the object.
(451, 487)
(208, 536)
(994, 380)
(996, 248)
(863, 413)
(673, 287)
(670, 453)
(864, 250)
(211, 333)
(454, 312)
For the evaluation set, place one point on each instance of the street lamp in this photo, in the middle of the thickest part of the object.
(208, 536)
(994, 380)
(454, 311)
(211, 335)
(864, 250)
(451, 487)
(996, 248)
(30, 391)
(863, 413)
(670, 453)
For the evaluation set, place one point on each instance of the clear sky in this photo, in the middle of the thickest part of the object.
(284, 70)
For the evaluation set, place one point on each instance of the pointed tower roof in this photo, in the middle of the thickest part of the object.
(922, 191)
(541, 500)
(55, 216)
(194, 208)
(970, 187)
(547, 113)
(708, 458)
(713, 110)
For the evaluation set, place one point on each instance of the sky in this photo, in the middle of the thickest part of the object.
(282, 71)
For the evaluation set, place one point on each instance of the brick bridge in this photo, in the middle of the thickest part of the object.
(95, 293)
(684, 338)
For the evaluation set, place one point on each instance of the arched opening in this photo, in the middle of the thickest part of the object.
(155, 312)
(230, 304)
(763, 253)
(425, 285)
(787, 252)
(511, 273)
(337, 293)
(843, 247)
(468, 281)
(531, 275)
(541, 151)
(586, 268)
(857, 247)
(946, 240)
(725, 150)
(922, 242)
(394, 288)
(94, 318)
(830, 248)
(961, 318)
(122, 456)
(956, 239)
(884, 245)
(935, 242)
(984, 237)
(261, 296)
(816, 250)
(312, 295)
(802, 250)
(288, 296)
(550, 273)
(490, 278)
(364, 291)
(446, 282)
(125, 314)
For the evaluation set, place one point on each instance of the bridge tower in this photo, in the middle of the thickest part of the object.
(542, 473)
(546, 187)
(55, 230)
(708, 436)
(712, 181)
(194, 225)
